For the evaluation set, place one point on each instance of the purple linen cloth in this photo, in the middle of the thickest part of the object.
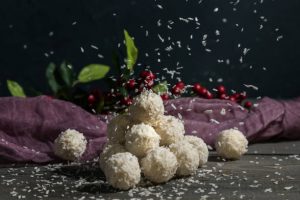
(28, 126)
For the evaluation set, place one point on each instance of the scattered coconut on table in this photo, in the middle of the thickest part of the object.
(145, 141)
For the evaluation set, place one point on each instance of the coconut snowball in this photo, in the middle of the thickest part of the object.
(159, 165)
(109, 150)
(70, 145)
(169, 128)
(187, 158)
(201, 147)
(123, 171)
(146, 107)
(141, 139)
(231, 144)
(117, 128)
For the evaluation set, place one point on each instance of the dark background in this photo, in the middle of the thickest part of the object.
(29, 29)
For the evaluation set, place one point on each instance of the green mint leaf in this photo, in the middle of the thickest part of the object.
(132, 51)
(66, 72)
(161, 88)
(93, 72)
(51, 78)
(15, 89)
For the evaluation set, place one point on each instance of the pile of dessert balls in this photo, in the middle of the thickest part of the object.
(145, 141)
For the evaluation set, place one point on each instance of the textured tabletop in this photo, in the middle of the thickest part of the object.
(268, 171)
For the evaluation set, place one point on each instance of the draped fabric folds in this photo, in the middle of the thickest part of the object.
(28, 126)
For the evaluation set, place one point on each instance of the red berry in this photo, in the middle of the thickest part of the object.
(232, 98)
(144, 74)
(176, 90)
(202, 91)
(147, 75)
(248, 104)
(149, 83)
(197, 87)
(209, 95)
(126, 101)
(131, 84)
(165, 96)
(236, 95)
(223, 96)
(180, 85)
(91, 99)
(221, 89)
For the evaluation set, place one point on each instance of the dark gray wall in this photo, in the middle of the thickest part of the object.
(100, 23)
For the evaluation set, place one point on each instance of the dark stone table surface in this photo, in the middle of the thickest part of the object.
(267, 171)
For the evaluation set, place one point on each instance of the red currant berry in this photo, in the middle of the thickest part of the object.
(197, 87)
(91, 99)
(165, 96)
(248, 104)
(221, 89)
(131, 84)
(236, 95)
(126, 101)
(147, 75)
(223, 96)
(176, 90)
(209, 95)
(149, 83)
(144, 74)
(232, 98)
(202, 91)
(180, 85)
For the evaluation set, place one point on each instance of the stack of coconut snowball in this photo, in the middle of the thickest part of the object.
(146, 141)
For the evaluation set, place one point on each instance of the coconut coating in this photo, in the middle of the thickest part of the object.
(141, 139)
(201, 147)
(187, 158)
(117, 128)
(169, 128)
(231, 144)
(109, 150)
(159, 165)
(147, 106)
(70, 145)
(123, 171)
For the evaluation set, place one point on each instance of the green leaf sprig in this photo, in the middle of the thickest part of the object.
(15, 89)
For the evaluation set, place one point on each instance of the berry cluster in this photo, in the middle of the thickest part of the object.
(121, 95)
(221, 93)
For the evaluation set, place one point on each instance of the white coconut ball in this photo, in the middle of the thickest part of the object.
(169, 128)
(231, 144)
(123, 171)
(70, 145)
(117, 128)
(109, 150)
(159, 165)
(201, 147)
(187, 158)
(141, 139)
(147, 106)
